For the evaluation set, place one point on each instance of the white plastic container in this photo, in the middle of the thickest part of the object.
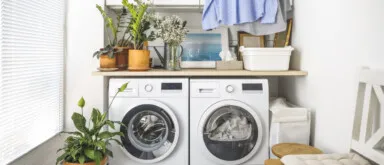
(266, 59)
(289, 123)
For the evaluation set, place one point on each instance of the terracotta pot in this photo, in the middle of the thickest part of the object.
(103, 162)
(122, 58)
(138, 60)
(106, 62)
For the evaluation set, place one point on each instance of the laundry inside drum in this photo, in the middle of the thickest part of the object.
(230, 133)
(229, 124)
(148, 131)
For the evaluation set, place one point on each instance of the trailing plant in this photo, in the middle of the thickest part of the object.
(117, 33)
(89, 143)
(139, 25)
(108, 50)
(171, 29)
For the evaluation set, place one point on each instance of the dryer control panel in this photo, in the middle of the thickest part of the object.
(228, 87)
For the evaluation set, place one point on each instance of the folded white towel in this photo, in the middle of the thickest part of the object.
(286, 112)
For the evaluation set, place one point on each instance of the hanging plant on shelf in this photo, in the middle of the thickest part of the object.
(89, 143)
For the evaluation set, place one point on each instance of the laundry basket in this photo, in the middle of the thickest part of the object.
(289, 123)
(271, 59)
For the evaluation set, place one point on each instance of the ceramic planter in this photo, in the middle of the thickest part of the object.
(138, 60)
(122, 58)
(106, 62)
(103, 162)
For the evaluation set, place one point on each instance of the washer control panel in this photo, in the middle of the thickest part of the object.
(171, 86)
(229, 89)
(148, 87)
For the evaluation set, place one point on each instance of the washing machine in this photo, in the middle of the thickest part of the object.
(229, 121)
(155, 115)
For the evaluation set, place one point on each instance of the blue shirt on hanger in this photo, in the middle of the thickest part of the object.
(231, 12)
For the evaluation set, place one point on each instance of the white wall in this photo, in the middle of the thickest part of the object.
(84, 36)
(333, 39)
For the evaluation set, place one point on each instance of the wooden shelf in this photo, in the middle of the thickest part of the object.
(199, 73)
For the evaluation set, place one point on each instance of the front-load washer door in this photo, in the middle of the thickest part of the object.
(230, 132)
(151, 132)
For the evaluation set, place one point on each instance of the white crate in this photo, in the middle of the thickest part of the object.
(266, 59)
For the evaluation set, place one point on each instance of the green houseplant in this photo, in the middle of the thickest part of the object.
(88, 145)
(138, 28)
(115, 53)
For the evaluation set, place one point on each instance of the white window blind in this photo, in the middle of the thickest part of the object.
(31, 74)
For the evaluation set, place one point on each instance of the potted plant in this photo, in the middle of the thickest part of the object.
(173, 31)
(115, 54)
(88, 145)
(139, 27)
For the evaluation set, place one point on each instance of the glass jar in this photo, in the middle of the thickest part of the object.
(173, 57)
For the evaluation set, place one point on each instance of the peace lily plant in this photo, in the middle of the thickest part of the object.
(88, 145)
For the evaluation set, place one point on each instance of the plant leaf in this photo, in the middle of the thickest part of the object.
(77, 133)
(117, 141)
(110, 124)
(82, 159)
(60, 149)
(120, 123)
(79, 122)
(97, 54)
(61, 158)
(111, 54)
(95, 117)
(81, 102)
(98, 157)
(70, 139)
(90, 153)
(109, 153)
(109, 23)
(101, 145)
(74, 152)
(123, 87)
(105, 135)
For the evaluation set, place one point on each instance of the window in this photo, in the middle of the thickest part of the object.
(31, 74)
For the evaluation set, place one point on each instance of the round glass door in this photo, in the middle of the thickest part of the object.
(231, 132)
(151, 132)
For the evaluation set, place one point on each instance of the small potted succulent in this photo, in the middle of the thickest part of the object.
(173, 31)
(115, 54)
(88, 145)
(139, 29)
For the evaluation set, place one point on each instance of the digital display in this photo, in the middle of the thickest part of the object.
(252, 87)
(171, 86)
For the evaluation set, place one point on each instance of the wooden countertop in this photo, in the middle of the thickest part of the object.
(199, 73)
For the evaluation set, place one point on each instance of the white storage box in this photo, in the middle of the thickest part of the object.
(289, 124)
(266, 59)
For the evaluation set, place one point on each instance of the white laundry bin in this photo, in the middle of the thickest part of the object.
(267, 59)
(289, 123)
